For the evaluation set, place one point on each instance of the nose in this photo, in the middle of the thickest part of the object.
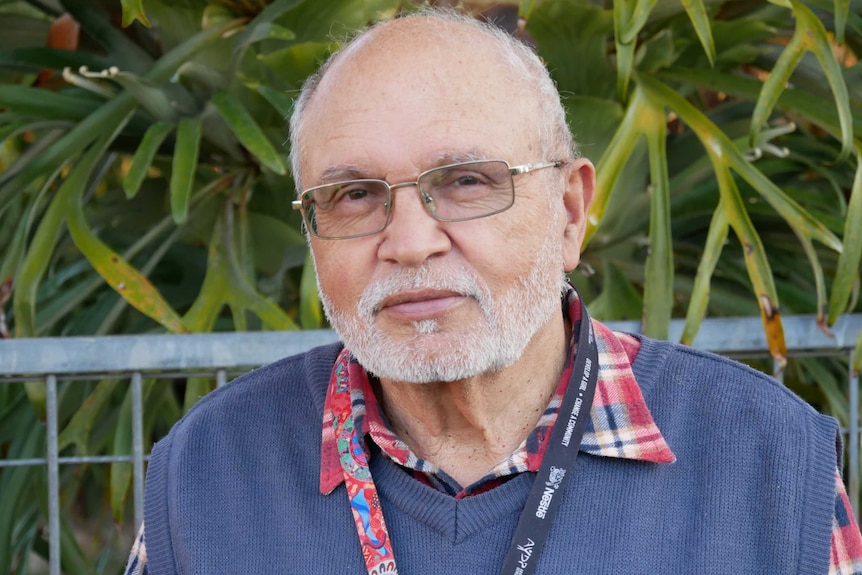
(412, 235)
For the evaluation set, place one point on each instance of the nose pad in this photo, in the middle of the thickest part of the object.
(428, 201)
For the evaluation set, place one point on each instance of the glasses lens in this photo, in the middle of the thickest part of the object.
(469, 190)
(346, 209)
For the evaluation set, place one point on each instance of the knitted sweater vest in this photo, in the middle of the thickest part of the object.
(233, 489)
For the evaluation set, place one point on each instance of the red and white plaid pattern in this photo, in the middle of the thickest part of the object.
(620, 423)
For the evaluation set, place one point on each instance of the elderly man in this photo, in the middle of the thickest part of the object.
(444, 202)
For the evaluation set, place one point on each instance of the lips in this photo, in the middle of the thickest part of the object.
(416, 305)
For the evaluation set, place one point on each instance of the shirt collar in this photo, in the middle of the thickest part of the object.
(620, 426)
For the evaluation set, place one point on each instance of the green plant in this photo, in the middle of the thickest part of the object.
(144, 187)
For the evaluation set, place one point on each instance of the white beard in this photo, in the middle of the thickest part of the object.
(434, 354)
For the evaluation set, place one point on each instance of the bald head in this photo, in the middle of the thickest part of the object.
(435, 50)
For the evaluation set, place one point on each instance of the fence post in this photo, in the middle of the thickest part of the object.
(53, 476)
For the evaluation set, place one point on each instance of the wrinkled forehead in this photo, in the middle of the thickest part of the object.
(420, 75)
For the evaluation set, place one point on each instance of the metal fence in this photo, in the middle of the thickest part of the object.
(223, 355)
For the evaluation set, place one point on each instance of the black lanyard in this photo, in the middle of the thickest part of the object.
(557, 464)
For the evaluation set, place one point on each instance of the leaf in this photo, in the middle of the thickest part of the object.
(700, 20)
(816, 40)
(154, 100)
(105, 119)
(70, 299)
(566, 27)
(272, 32)
(39, 103)
(813, 108)
(847, 272)
(39, 254)
(215, 14)
(72, 558)
(16, 487)
(819, 280)
(755, 260)
(716, 142)
(18, 30)
(525, 8)
(830, 386)
(120, 275)
(196, 388)
(143, 158)
(107, 116)
(310, 312)
(259, 28)
(185, 162)
(279, 100)
(857, 356)
(625, 50)
(122, 472)
(842, 11)
(77, 431)
(775, 84)
(612, 162)
(295, 62)
(619, 299)
(14, 250)
(717, 235)
(658, 287)
(134, 10)
(636, 19)
(225, 283)
(248, 132)
(125, 54)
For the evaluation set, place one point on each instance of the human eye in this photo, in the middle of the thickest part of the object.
(461, 178)
(355, 194)
(468, 184)
(349, 195)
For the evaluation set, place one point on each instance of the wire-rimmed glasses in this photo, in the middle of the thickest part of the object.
(451, 193)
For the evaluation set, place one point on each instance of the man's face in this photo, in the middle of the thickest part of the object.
(424, 300)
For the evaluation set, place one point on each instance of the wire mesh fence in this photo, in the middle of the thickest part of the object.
(129, 360)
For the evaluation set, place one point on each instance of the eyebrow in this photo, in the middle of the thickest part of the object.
(446, 158)
(343, 172)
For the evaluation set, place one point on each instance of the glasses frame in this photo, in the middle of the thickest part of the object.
(427, 199)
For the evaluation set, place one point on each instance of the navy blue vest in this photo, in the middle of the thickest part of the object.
(233, 488)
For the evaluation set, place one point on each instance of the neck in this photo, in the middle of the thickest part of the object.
(466, 427)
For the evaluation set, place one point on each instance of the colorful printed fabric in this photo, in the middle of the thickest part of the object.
(353, 460)
(621, 426)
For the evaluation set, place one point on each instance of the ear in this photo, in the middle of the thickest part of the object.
(580, 188)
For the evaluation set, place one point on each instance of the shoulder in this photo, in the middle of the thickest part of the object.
(714, 398)
(268, 397)
(302, 374)
(671, 367)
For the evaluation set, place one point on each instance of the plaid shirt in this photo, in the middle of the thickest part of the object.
(620, 426)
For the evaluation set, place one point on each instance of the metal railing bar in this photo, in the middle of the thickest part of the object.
(137, 448)
(727, 336)
(203, 351)
(759, 354)
(235, 372)
(42, 461)
(853, 439)
(777, 371)
(150, 374)
(221, 378)
(53, 477)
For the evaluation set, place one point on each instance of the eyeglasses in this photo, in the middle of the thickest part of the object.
(453, 193)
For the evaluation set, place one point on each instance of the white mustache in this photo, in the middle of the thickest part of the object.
(458, 280)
